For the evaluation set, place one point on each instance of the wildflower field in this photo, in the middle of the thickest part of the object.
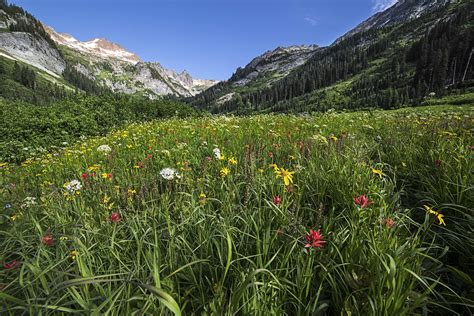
(364, 213)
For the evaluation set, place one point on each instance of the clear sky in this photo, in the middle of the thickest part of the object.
(208, 38)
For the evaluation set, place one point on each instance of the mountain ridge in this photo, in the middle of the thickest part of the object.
(411, 50)
(90, 66)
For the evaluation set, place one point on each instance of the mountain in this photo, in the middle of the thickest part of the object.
(111, 65)
(58, 61)
(413, 49)
(262, 71)
(100, 47)
(402, 11)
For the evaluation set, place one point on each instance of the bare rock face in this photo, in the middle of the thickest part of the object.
(402, 11)
(32, 50)
(279, 61)
(28, 48)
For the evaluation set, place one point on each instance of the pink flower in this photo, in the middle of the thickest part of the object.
(115, 217)
(277, 200)
(389, 222)
(314, 239)
(47, 240)
(362, 201)
(270, 154)
(84, 176)
(437, 163)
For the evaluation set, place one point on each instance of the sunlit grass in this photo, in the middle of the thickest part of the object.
(209, 236)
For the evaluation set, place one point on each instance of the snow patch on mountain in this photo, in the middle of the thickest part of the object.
(98, 46)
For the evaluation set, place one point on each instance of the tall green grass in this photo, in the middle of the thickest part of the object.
(205, 244)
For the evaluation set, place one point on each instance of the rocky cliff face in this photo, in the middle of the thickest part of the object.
(279, 62)
(28, 48)
(402, 11)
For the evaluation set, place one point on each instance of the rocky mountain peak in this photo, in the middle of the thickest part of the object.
(100, 47)
(401, 11)
(279, 61)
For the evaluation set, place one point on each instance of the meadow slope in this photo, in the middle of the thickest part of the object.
(356, 213)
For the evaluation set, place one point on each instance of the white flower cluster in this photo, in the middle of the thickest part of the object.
(169, 174)
(73, 186)
(217, 153)
(104, 149)
(29, 201)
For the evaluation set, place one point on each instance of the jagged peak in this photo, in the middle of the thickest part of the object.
(100, 47)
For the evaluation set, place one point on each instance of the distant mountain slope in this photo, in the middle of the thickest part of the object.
(90, 66)
(114, 67)
(413, 49)
(23, 38)
(401, 12)
(263, 71)
(99, 46)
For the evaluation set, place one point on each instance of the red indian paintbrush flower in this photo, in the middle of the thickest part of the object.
(115, 217)
(11, 265)
(277, 200)
(362, 201)
(47, 240)
(390, 223)
(314, 239)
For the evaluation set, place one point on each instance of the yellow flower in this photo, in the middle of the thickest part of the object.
(202, 196)
(63, 238)
(222, 157)
(74, 254)
(378, 172)
(438, 215)
(232, 161)
(274, 166)
(224, 172)
(334, 138)
(292, 157)
(13, 217)
(286, 175)
(93, 168)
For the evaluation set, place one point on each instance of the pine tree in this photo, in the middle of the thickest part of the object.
(16, 72)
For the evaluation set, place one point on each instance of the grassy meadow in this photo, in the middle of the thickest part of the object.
(363, 213)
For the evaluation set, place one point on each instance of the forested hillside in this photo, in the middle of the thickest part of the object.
(379, 67)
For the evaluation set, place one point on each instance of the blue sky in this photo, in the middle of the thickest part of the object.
(208, 38)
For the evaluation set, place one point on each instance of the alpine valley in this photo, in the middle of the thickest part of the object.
(315, 180)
